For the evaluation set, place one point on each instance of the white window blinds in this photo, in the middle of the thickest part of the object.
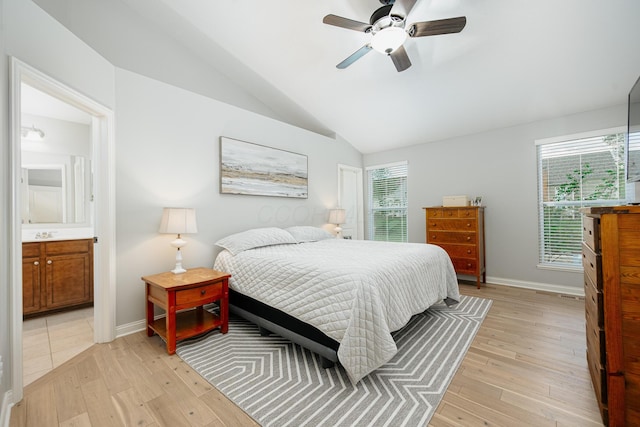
(387, 194)
(588, 171)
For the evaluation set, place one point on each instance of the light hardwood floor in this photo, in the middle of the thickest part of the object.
(526, 366)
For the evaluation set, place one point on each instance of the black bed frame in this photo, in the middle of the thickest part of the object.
(271, 320)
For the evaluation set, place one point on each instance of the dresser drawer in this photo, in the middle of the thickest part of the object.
(593, 302)
(596, 341)
(202, 293)
(465, 265)
(452, 224)
(434, 213)
(591, 232)
(599, 378)
(451, 237)
(466, 213)
(592, 264)
(460, 251)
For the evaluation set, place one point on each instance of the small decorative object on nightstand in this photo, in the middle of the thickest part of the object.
(176, 293)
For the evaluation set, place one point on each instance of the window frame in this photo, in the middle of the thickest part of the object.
(371, 210)
(546, 265)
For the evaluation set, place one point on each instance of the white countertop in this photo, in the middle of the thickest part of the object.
(51, 234)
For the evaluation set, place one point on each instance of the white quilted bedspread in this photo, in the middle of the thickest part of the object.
(356, 292)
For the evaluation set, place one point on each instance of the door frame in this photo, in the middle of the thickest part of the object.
(103, 159)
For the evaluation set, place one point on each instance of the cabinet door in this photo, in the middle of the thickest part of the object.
(30, 285)
(68, 280)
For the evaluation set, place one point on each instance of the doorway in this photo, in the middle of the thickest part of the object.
(86, 191)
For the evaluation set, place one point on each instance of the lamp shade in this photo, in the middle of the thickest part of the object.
(178, 221)
(337, 216)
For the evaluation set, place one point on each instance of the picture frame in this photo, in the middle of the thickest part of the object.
(257, 170)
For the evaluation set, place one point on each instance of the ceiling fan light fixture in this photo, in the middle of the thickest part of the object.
(388, 39)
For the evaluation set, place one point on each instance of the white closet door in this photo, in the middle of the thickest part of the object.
(350, 198)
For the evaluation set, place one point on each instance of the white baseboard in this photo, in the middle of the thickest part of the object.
(547, 287)
(5, 411)
(131, 328)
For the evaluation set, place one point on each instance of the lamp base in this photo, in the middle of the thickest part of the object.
(179, 269)
(338, 231)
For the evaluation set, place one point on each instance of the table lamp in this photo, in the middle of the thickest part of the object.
(337, 217)
(178, 221)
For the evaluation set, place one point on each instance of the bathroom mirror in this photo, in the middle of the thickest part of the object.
(54, 194)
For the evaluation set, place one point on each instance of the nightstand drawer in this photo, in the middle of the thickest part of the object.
(202, 293)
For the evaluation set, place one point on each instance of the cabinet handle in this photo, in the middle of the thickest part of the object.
(49, 262)
(36, 263)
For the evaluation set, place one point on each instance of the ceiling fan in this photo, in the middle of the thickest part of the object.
(389, 31)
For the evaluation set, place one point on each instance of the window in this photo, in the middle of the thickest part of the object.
(575, 172)
(387, 192)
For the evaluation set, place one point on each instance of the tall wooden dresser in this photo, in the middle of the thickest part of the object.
(611, 260)
(460, 232)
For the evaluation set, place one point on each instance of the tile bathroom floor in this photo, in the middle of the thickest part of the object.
(48, 342)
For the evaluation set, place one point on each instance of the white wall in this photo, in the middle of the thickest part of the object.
(500, 166)
(167, 154)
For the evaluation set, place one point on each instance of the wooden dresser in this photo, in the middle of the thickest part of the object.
(611, 260)
(460, 232)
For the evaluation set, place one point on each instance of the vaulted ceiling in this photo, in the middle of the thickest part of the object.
(515, 62)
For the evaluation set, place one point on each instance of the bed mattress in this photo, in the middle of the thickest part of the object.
(356, 292)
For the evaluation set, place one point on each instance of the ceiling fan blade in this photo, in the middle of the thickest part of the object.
(354, 57)
(402, 8)
(400, 59)
(347, 23)
(440, 26)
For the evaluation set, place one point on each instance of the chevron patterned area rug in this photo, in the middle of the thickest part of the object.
(281, 384)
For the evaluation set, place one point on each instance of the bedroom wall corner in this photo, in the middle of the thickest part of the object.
(167, 154)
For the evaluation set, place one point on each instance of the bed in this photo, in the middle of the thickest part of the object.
(338, 298)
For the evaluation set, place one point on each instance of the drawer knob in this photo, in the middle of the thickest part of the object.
(202, 292)
(468, 238)
(433, 224)
(468, 224)
(468, 251)
(433, 237)
(469, 265)
(49, 262)
(36, 263)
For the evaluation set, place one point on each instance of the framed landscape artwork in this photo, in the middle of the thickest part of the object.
(257, 170)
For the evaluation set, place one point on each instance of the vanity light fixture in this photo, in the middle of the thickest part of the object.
(337, 217)
(32, 133)
(178, 221)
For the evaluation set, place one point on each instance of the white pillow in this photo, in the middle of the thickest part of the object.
(255, 238)
(307, 233)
